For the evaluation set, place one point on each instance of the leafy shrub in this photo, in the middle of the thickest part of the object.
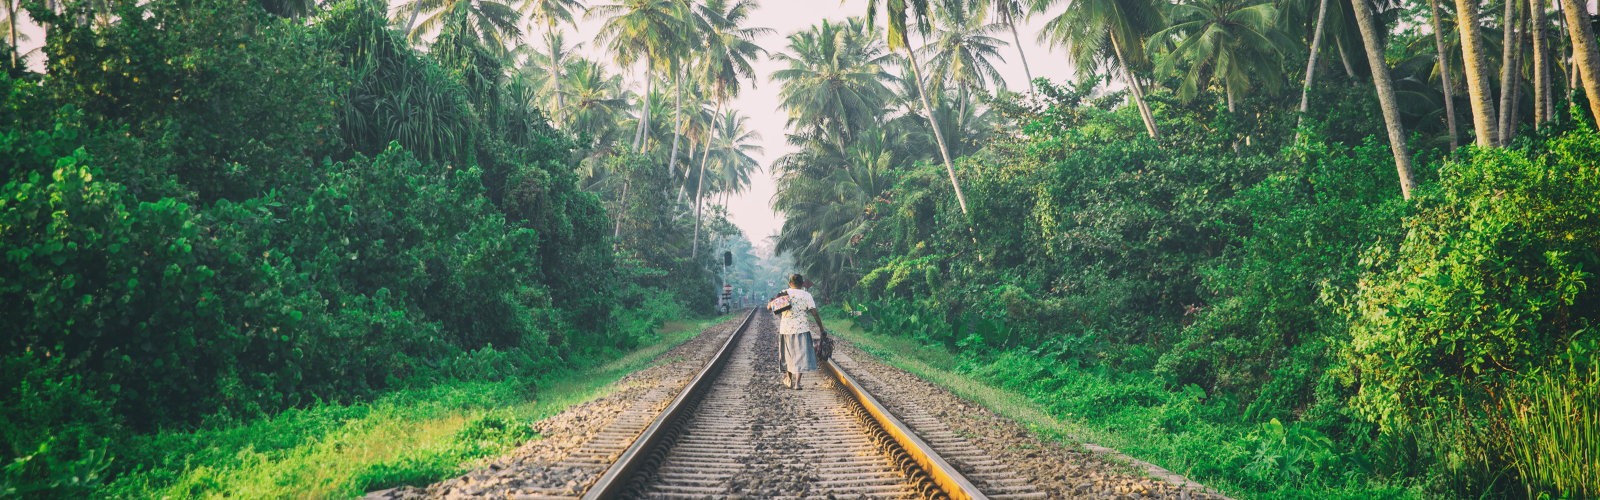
(57, 430)
(1493, 280)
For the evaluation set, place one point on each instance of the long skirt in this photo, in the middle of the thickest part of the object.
(798, 355)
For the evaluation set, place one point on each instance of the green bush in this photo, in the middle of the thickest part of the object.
(1493, 280)
(55, 430)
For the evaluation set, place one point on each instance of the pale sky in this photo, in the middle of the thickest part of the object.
(752, 210)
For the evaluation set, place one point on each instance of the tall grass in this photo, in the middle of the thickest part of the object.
(1554, 426)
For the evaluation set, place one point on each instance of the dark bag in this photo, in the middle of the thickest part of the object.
(824, 347)
(780, 303)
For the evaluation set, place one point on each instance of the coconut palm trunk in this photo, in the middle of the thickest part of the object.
(1444, 73)
(622, 209)
(1477, 68)
(1228, 89)
(1584, 53)
(677, 125)
(1518, 60)
(700, 187)
(1508, 72)
(416, 8)
(1311, 67)
(1541, 64)
(1386, 97)
(1138, 94)
(944, 151)
(1344, 57)
(1011, 22)
(641, 135)
(11, 18)
(561, 98)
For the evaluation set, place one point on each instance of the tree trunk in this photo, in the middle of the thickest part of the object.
(1018, 39)
(1541, 64)
(944, 151)
(1508, 74)
(1518, 58)
(1477, 68)
(1344, 57)
(1138, 93)
(1444, 73)
(561, 99)
(1311, 67)
(700, 187)
(1228, 88)
(677, 125)
(622, 209)
(11, 18)
(416, 8)
(1570, 75)
(1583, 51)
(1386, 98)
(640, 134)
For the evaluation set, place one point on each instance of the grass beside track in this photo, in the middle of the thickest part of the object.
(410, 436)
(1127, 430)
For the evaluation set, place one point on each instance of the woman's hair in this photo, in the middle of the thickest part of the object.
(796, 281)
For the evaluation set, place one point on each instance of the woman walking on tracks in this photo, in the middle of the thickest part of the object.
(794, 330)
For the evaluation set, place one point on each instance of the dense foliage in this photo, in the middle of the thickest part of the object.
(211, 213)
(1223, 290)
(1249, 282)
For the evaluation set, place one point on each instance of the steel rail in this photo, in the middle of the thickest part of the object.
(615, 481)
(951, 481)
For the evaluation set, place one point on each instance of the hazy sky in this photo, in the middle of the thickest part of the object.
(752, 210)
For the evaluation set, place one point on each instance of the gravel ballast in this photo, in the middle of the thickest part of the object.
(1060, 470)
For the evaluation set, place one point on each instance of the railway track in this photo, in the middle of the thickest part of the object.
(736, 432)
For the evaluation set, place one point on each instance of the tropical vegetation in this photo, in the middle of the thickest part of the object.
(220, 213)
(1249, 242)
(1254, 241)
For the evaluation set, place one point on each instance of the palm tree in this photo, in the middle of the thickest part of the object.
(550, 13)
(834, 85)
(697, 28)
(730, 154)
(547, 69)
(696, 128)
(598, 100)
(895, 12)
(1008, 10)
(1474, 60)
(494, 23)
(828, 208)
(1096, 30)
(1584, 53)
(1235, 39)
(652, 30)
(961, 49)
(1386, 98)
(729, 49)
